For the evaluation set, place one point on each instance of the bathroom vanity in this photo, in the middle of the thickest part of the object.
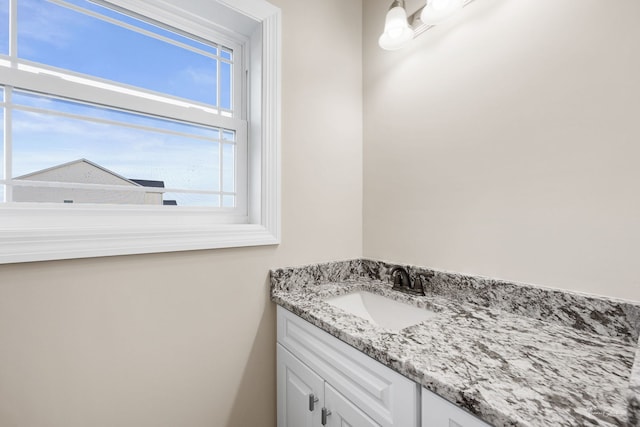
(323, 381)
(491, 353)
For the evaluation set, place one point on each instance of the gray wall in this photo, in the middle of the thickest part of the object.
(188, 339)
(506, 144)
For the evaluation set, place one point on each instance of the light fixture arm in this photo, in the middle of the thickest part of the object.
(397, 3)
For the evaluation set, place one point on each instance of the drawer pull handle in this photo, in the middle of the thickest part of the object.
(325, 414)
(312, 402)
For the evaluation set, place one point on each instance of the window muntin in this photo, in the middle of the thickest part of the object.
(197, 162)
(33, 101)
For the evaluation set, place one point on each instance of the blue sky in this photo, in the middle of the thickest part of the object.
(4, 26)
(61, 37)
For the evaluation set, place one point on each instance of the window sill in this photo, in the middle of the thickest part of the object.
(73, 234)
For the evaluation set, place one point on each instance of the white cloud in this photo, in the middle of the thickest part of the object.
(201, 76)
(45, 22)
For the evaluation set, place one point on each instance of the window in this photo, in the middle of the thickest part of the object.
(134, 127)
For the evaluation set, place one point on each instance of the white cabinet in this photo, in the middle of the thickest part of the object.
(342, 412)
(438, 412)
(300, 392)
(356, 390)
(306, 400)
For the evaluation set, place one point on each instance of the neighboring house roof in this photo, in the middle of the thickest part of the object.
(149, 183)
(170, 202)
(95, 165)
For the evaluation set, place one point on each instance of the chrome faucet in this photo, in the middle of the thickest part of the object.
(402, 281)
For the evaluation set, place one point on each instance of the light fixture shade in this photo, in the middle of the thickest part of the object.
(437, 11)
(397, 31)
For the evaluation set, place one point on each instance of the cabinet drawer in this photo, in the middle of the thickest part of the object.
(384, 395)
(439, 412)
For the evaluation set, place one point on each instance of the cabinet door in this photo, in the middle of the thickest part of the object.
(438, 412)
(297, 384)
(343, 413)
(384, 395)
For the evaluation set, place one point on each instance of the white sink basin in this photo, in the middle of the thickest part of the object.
(381, 311)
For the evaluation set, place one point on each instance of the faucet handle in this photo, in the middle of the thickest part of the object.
(397, 278)
(400, 277)
(418, 284)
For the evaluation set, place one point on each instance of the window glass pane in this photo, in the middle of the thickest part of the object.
(52, 34)
(228, 168)
(54, 148)
(4, 27)
(2, 140)
(228, 201)
(229, 135)
(225, 85)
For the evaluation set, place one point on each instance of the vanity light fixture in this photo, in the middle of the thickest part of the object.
(400, 29)
(437, 11)
(397, 31)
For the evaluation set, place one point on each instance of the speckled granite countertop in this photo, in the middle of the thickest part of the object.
(514, 355)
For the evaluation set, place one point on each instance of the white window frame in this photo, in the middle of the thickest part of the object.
(37, 232)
